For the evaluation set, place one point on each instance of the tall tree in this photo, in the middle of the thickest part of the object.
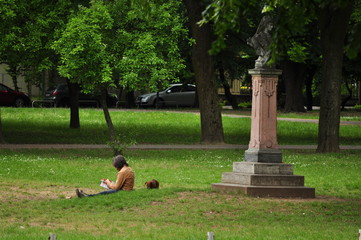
(204, 68)
(294, 75)
(115, 38)
(333, 18)
(333, 21)
(84, 57)
(27, 34)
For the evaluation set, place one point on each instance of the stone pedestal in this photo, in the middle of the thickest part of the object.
(263, 174)
(264, 180)
(263, 145)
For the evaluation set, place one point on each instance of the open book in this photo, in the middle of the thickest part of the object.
(103, 184)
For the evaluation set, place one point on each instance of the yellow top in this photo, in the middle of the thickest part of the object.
(125, 180)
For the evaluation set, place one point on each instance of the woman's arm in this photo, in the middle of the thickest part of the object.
(119, 182)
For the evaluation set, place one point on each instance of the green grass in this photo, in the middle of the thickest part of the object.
(347, 115)
(34, 185)
(51, 125)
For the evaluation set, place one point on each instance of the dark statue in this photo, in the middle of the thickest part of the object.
(261, 41)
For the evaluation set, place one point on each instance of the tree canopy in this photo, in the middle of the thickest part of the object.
(116, 39)
(291, 19)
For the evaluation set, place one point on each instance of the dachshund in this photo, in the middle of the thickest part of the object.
(152, 184)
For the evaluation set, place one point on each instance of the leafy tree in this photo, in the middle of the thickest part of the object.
(27, 30)
(145, 42)
(234, 61)
(332, 17)
(333, 23)
(204, 69)
(115, 43)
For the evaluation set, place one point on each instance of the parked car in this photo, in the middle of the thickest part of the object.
(176, 95)
(10, 97)
(60, 95)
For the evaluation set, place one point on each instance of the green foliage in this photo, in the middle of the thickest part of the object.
(7, 9)
(28, 29)
(121, 143)
(357, 107)
(237, 16)
(245, 105)
(353, 46)
(291, 26)
(84, 57)
(149, 42)
(115, 38)
(297, 52)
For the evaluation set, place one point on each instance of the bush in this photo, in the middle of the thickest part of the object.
(357, 107)
(245, 105)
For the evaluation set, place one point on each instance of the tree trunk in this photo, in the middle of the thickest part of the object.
(294, 75)
(203, 65)
(311, 71)
(129, 99)
(227, 92)
(74, 90)
(13, 71)
(344, 101)
(108, 119)
(333, 27)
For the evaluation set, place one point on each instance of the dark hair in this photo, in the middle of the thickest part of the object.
(119, 162)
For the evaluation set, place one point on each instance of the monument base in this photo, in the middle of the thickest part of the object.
(266, 191)
(264, 180)
(263, 155)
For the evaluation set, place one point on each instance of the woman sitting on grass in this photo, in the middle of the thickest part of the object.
(125, 179)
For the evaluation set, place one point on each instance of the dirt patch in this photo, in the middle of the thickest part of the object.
(16, 193)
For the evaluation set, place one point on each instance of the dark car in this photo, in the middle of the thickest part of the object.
(10, 97)
(60, 96)
(179, 95)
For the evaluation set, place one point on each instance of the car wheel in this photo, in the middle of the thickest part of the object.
(159, 103)
(19, 102)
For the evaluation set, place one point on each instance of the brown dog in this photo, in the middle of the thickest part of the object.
(152, 184)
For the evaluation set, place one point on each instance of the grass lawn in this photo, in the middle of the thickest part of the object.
(35, 186)
(51, 125)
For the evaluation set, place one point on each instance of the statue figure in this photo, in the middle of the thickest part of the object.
(261, 42)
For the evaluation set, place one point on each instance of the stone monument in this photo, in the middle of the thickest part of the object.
(263, 173)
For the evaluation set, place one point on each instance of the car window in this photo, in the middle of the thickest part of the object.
(63, 88)
(51, 89)
(189, 89)
(175, 89)
(3, 88)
